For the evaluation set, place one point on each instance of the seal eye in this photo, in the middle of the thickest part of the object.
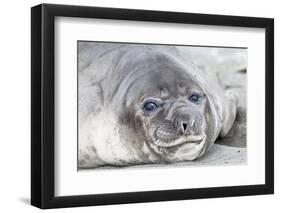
(150, 106)
(195, 98)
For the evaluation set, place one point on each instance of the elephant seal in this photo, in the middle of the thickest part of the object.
(141, 104)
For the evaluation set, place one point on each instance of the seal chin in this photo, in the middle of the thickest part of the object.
(184, 148)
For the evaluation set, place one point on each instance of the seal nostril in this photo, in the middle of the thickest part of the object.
(184, 126)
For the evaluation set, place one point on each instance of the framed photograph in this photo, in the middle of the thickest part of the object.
(139, 106)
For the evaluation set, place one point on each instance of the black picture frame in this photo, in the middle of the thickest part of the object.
(43, 105)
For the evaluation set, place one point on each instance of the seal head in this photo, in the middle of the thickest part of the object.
(168, 106)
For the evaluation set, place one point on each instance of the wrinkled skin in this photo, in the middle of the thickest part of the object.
(163, 111)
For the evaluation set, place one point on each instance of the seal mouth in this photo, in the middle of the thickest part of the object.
(190, 139)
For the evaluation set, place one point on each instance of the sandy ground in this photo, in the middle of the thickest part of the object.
(218, 155)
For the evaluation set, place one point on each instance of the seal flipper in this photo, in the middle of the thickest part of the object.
(230, 109)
